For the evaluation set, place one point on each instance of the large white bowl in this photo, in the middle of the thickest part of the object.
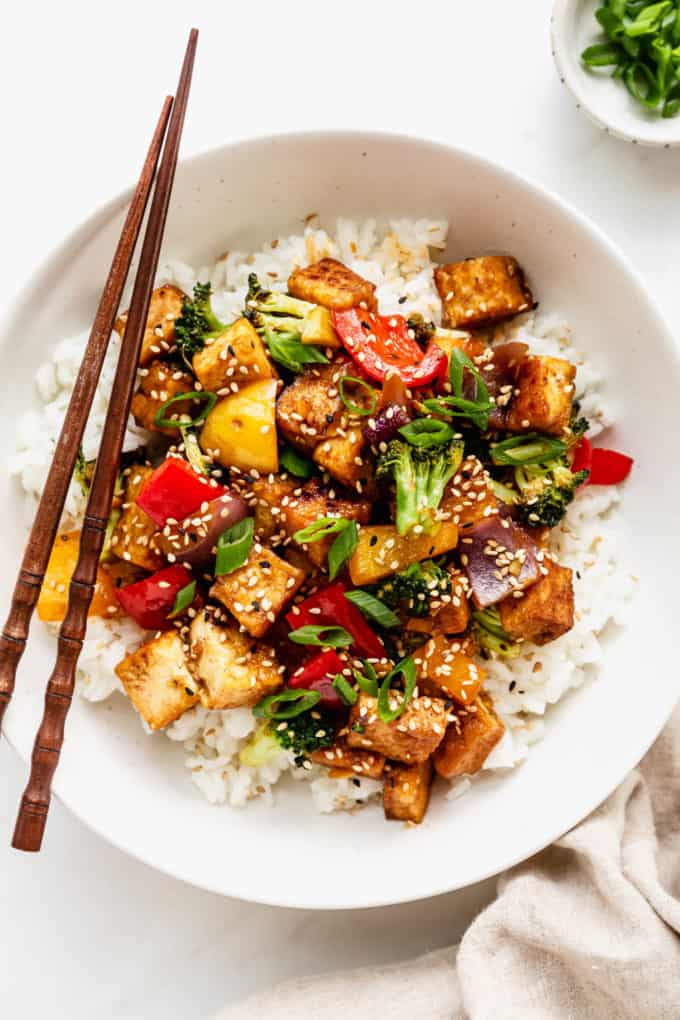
(133, 789)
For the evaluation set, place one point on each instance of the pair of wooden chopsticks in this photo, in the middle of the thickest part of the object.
(35, 802)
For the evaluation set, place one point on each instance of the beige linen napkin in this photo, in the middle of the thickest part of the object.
(586, 930)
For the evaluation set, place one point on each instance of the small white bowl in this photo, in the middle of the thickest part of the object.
(605, 100)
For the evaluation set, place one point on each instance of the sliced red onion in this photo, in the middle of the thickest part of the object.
(499, 558)
(194, 540)
(384, 426)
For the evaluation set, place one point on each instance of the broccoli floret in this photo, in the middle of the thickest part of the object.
(546, 491)
(414, 588)
(197, 323)
(492, 636)
(271, 310)
(420, 475)
(578, 425)
(307, 732)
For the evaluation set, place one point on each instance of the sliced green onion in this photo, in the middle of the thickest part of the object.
(642, 84)
(295, 464)
(373, 608)
(527, 449)
(202, 396)
(320, 529)
(602, 55)
(345, 689)
(233, 546)
(183, 599)
(349, 404)
(289, 351)
(426, 432)
(194, 453)
(299, 700)
(322, 637)
(342, 548)
(368, 680)
(407, 669)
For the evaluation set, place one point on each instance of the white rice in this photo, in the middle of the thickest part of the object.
(397, 258)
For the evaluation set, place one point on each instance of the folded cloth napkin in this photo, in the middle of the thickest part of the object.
(586, 930)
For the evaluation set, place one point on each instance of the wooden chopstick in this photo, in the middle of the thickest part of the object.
(51, 505)
(35, 802)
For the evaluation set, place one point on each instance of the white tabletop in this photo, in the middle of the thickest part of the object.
(84, 930)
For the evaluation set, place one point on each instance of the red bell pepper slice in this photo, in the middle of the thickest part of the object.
(336, 611)
(609, 467)
(175, 490)
(380, 345)
(606, 467)
(150, 601)
(317, 674)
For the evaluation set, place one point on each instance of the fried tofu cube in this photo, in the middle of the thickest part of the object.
(312, 501)
(271, 494)
(159, 336)
(135, 537)
(480, 292)
(546, 609)
(232, 670)
(257, 592)
(410, 738)
(158, 680)
(454, 616)
(236, 357)
(546, 393)
(333, 285)
(345, 761)
(445, 670)
(344, 459)
(310, 409)
(469, 740)
(406, 792)
(469, 498)
(159, 383)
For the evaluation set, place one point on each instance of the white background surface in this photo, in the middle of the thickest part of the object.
(83, 930)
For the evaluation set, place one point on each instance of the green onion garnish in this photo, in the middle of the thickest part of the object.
(183, 599)
(527, 449)
(287, 350)
(299, 700)
(349, 404)
(426, 432)
(368, 680)
(202, 396)
(373, 608)
(342, 548)
(295, 464)
(233, 546)
(407, 669)
(322, 637)
(345, 689)
(320, 529)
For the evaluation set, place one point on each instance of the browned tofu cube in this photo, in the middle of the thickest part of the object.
(344, 458)
(469, 740)
(480, 292)
(135, 537)
(545, 611)
(455, 612)
(546, 393)
(410, 738)
(158, 681)
(310, 409)
(469, 498)
(446, 671)
(406, 792)
(333, 285)
(312, 501)
(232, 670)
(236, 357)
(270, 494)
(160, 382)
(344, 760)
(257, 592)
(159, 336)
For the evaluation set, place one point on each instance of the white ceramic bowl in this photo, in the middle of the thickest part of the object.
(133, 789)
(605, 100)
